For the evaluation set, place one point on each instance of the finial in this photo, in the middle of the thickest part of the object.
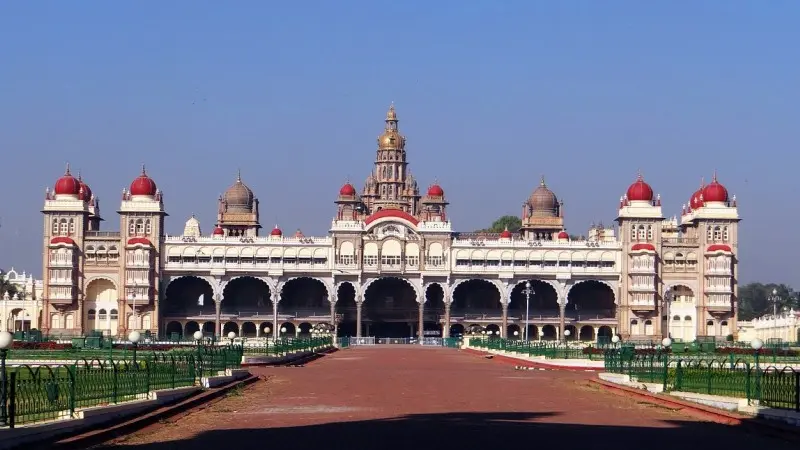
(67, 171)
(80, 178)
(702, 182)
(639, 175)
(144, 170)
(541, 182)
(238, 175)
(714, 177)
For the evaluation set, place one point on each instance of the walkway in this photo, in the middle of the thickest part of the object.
(431, 398)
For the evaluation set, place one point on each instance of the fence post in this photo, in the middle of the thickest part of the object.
(173, 369)
(679, 375)
(114, 383)
(748, 386)
(73, 373)
(666, 371)
(147, 374)
(796, 391)
(12, 399)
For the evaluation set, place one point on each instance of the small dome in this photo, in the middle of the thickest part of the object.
(391, 140)
(239, 197)
(435, 190)
(715, 192)
(543, 201)
(67, 184)
(347, 190)
(563, 235)
(218, 231)
(505, 234)
(85, 193)
(697, 199)
(276, 231)
(640, 191)
(299, 234)
(143, 185)
(192, 227)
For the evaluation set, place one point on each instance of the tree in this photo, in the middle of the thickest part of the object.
(512, 223)
(6, 285)
(754, 299)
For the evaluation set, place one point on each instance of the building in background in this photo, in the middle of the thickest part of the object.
(392, 265)
(22, 309)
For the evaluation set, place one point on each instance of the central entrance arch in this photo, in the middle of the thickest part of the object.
(390, 309)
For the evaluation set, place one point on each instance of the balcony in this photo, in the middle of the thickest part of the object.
(680, 241)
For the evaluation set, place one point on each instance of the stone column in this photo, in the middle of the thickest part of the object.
(358, 317)
(275, 326)
(562, 310)
(504, 329)
(446, 328)
(421, 324)
(334, 324)
(218, 316)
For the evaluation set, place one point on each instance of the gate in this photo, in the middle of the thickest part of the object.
(432, 342)
(362, 341)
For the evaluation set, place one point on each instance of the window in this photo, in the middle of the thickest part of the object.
(148, 227)
(91, 314)
(649, 232)
(717, 233)
(131, 227)
(114, 314)
(71, 226)
(139, 226)
(725, 234)
(63, 230)
(709, 234)
(55, 227)
(102, 314)
(642, 235)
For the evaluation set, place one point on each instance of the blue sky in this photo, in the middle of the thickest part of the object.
(490, 94)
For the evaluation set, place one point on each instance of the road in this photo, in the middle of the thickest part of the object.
(387, 398)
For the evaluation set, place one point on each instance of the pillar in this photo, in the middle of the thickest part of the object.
(562, 311)
(446, 330)
(421, 325)
(275, 330)
(504, 329)
(358, 317)
(218, 316)
(334, 323)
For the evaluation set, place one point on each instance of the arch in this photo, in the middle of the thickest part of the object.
(175, 328)
(346, 308)
(476, 296)
(248, 329)
(457, 330)
(190, 328)
(391, 247)
(586, 333)
(549, 333)
(188, 295)
(591, 299)
(246, 296)
(434, 306)
(514, 331)
(435, 249)
(543, 299)
(209, 328)
(390, 307)
(346, 248)
(682, 295)
(304, 295)
(228, 327)
(287, 329)
(570, 332)
(604, 334)
(304, 329)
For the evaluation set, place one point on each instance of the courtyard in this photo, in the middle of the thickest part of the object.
(404, 397)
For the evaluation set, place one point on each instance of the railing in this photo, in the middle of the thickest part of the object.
(548, 350)
(773, 386)
(284, 346)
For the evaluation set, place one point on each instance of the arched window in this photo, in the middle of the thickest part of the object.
(139, 226)
(55, 227)
(114, 314)
(63, 227)
(717, 233)
(709, 233)
(649, 232)
(131, 227)
(71, 226)
(725, 234)
(102, 315)
(148, 227)
(642, 233)
(91, 314)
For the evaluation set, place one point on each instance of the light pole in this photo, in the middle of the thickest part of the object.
(666, 343)
(668, 296)
(134, 337)
(6, 339)
(266, 332)
(566, 335)
(528, 292)
(133, 298)
(198, 338)
(756, 345)
(232, 336)
(774, 299)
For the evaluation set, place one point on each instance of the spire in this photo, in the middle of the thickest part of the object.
(639, 176)
(80, 178)
(144, 170)
(391, 115)
(67, 171)
(238, 175)
(714, 177)
(541, 182)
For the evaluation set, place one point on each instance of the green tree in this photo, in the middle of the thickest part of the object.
(6, 286)
(513, 223)
(754, 299)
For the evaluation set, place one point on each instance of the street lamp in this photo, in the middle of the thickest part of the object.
(566, 334)
(516, 333)
(774, 299)
(267, 330)
(134, 337)
(232, 336)
(669, 294)
(6, 339)
(283, 330)
(133, 298)
(665, 343)
(756, 345)
(528, 292)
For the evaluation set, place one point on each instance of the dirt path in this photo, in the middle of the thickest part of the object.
(420, 398)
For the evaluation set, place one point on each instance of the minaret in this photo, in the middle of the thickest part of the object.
(390, 186)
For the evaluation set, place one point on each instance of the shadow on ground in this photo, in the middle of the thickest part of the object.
(475, 431)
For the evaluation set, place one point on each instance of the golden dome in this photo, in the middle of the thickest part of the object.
(391, 139)
(239, 197)
(543, 201)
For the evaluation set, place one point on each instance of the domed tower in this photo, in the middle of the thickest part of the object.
(542, 215)
(238, 210)
(434, 204)
(349, 205)
(390, 185)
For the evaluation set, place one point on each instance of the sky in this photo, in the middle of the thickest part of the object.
(490, 95)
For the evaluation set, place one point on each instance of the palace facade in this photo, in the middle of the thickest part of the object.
(392, 265)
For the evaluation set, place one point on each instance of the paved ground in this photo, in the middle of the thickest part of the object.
(388, 398)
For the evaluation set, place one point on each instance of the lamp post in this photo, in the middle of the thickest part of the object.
(6, 339)
(232, 336)
(756, 345)
(198, 338)
(774, 299)
(669, 294)
(566, 335)
(134, 337)
(666, 343)
(266, 332)
(528, 292)
(516, 333)
(133, 299)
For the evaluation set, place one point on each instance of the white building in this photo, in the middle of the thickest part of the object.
(23, 310)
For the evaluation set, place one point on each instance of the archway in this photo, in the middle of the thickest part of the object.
(533, 332)
(390, 309)
(682, 303)
(586, 333)
(230, 327)
(493, 330)
(433, 311)
(265, 328)
(346, 310)
(303, 298)
(549, 333)
(188, 296)
(209, 328)
(287, 330)
(190, 328)
(604, 335)
(246, 297)
(249, 330)
(476, 298)
(591, 300)
(572, 335)
(541, 304)
(304, 330)
(514, 332)
(101, 294)
(175, 330)
(456, 330)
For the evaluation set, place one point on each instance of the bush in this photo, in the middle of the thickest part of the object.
(49, 345)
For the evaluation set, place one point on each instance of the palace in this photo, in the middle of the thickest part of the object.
(391, 265)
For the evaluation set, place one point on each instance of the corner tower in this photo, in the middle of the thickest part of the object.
(238, 211)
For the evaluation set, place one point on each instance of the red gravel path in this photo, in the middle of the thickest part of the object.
(387, 398)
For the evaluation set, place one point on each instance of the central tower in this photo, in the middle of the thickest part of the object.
(391, 185)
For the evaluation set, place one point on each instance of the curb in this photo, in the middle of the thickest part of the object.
(754, 424)
(104, 432)
(529, 365)
(294, 361)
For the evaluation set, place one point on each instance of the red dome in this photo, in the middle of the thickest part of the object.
(85, 193)
(640, 191)
(719, 248)
(276, 231)
(715, 192)
(563, 235)
(435, 191)
(62, 240)
(643, 246)
(139, 241)
(218, 231)
(347, 190)
(696, 201)
(505, 234)
(67, 185)
(143, 185)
